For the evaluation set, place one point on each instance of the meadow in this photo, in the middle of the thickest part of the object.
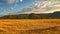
(30, 26)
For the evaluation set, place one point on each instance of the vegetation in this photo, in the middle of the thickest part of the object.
(55, 15)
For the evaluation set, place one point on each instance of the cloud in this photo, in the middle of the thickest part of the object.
(7, 1)
(10, 1)
(21, 0)
(43, 7)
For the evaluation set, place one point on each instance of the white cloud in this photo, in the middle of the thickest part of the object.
(44, 7)
(21, 0)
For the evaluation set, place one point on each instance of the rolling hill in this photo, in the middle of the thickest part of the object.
(33, 16)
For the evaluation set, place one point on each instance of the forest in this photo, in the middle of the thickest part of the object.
(55, 15)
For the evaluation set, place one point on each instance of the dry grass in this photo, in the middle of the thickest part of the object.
(30, 26)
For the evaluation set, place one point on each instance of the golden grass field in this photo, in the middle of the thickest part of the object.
(30, 26)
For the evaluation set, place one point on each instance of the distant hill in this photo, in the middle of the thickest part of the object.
(33, 16)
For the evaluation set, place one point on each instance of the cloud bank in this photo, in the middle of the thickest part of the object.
(43, 6)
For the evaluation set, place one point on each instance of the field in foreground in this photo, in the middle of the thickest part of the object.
(26, 26)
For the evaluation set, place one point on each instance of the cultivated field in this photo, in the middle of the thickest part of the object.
(30, 26)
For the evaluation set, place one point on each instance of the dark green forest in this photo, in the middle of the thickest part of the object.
(55, 15)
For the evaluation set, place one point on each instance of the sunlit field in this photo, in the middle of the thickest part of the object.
(30, 26)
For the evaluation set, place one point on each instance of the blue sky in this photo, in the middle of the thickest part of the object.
(9, 7)
(13, 6)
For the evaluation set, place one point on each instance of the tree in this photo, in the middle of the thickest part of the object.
(33, 16)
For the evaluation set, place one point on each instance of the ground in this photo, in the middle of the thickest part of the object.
(30, 26)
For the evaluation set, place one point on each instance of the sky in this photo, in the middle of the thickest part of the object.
(44, 6)
(11, 7)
